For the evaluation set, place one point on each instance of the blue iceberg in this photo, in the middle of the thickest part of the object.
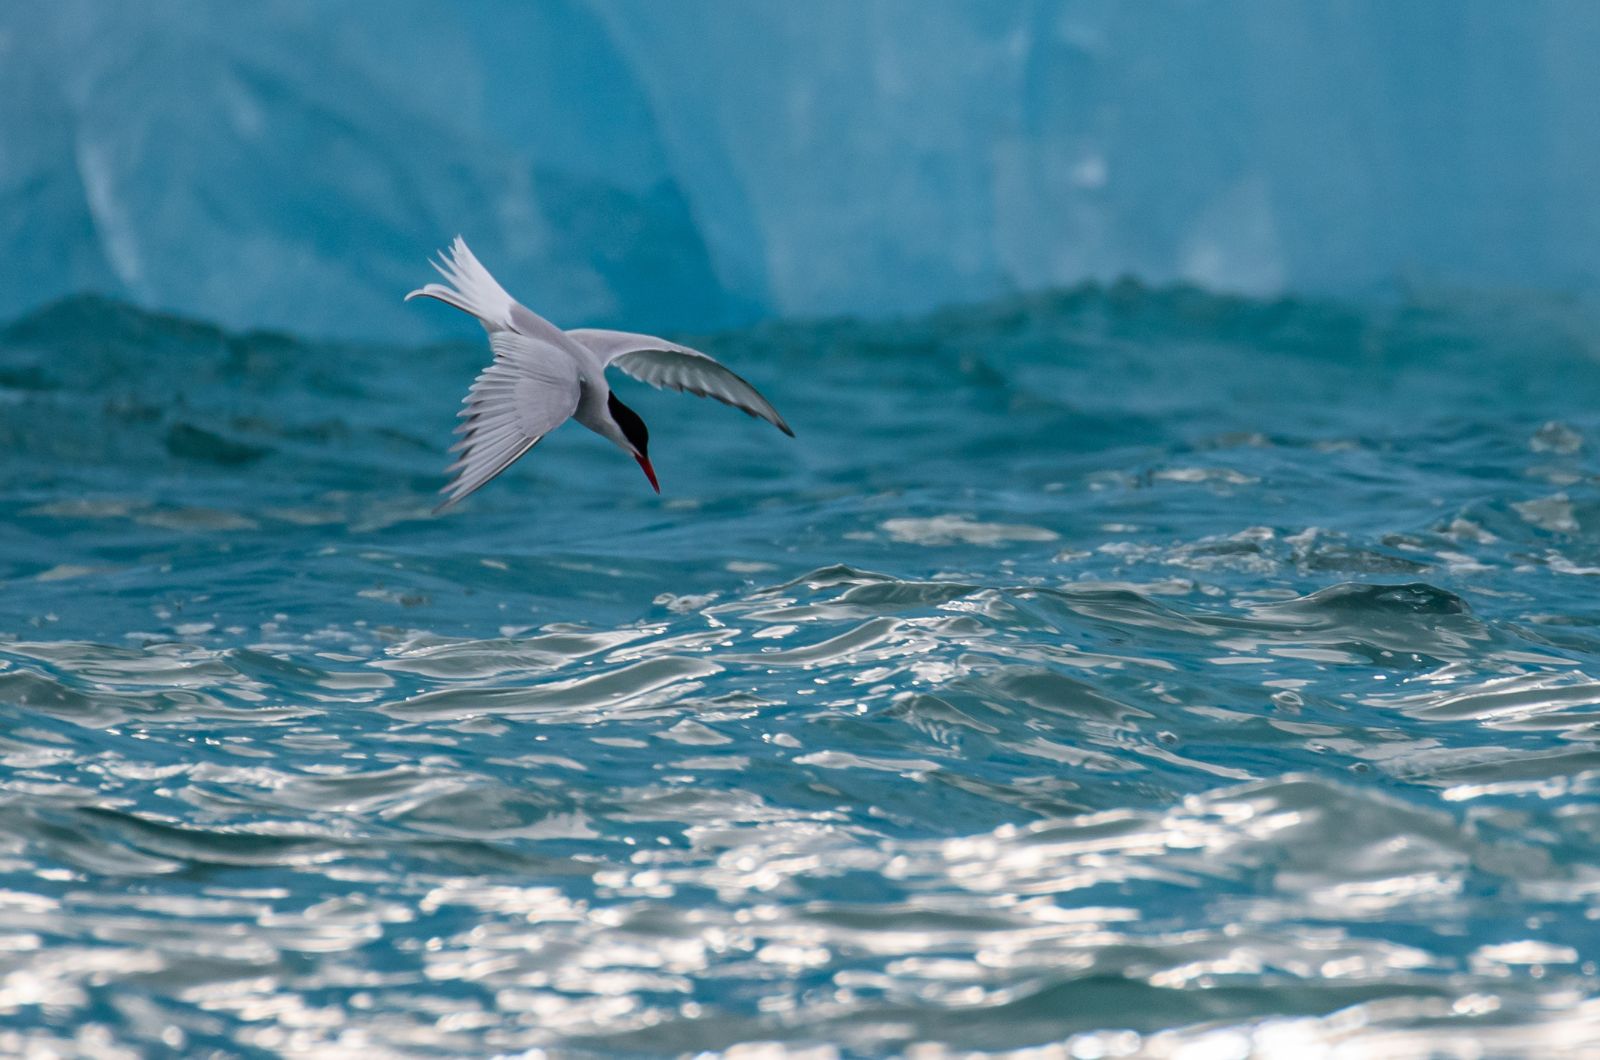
(705, 163)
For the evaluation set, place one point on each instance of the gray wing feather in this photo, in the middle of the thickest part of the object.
(670, 366)
(537, 327)
(530, 390)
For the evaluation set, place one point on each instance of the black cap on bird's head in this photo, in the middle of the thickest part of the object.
(633, 429)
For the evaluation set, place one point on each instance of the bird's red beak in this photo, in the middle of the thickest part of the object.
(649, 472)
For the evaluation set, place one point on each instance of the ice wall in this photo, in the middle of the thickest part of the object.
(896, 152)
(291, 165)
(692, 163)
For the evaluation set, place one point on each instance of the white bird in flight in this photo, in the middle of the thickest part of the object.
(543, 376)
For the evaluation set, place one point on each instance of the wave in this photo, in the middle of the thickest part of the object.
(1124, 669)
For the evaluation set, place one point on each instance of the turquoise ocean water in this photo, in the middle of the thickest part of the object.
(1120, 671)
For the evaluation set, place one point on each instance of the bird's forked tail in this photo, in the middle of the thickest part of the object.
(470, 288)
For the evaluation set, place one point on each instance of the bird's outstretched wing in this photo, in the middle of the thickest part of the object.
(530, 390)
(667, 364)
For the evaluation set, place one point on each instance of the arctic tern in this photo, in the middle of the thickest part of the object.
(543, 376)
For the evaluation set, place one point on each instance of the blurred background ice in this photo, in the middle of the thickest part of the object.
(707, 162)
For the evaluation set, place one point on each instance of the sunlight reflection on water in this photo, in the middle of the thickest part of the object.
(1092, 733)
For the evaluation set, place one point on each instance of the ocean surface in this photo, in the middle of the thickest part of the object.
(1121, 671)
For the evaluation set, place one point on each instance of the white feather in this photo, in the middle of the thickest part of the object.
(531, 389)
(470, 288)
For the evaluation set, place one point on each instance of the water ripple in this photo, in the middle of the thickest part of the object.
(1252, 709)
